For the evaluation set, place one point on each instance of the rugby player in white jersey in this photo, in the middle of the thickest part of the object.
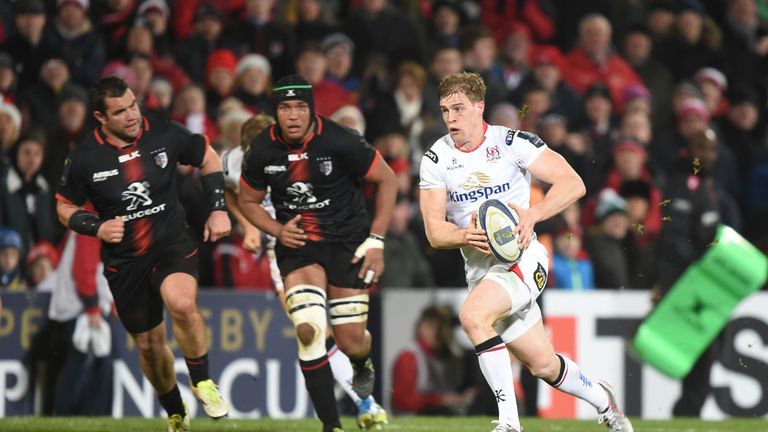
(471, 164)
(370, 413)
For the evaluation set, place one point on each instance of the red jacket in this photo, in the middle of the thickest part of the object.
(580, 72)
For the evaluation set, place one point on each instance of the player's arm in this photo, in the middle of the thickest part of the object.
(250, 199)
(84, 222)
(212, 177)
(567, 187)
(443, 234)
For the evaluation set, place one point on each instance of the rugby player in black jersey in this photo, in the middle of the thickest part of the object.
(127, 168)
(326, 247)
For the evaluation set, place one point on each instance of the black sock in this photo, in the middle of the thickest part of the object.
(330, 342)
(359, 363)
(172, 403)
(319, 380)
(198, 368)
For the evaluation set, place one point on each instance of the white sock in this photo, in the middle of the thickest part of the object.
(497, 369)
(342, 371)
(575, 383)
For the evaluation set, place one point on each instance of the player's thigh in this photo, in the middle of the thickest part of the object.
(487, 302)
(533, 348)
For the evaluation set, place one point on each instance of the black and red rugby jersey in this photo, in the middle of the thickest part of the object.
(321, 180)
(136, 182)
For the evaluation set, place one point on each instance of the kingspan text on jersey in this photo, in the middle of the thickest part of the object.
(483, 193)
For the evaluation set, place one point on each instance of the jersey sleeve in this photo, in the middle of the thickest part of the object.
(358, 156)
(252, 169)
(429, 172)
(231, 161)
(192, 146)
(72, 187)
(525, 147)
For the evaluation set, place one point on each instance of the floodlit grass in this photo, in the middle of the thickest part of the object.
(399, 424)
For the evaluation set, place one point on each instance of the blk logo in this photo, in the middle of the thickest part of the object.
(128, 156)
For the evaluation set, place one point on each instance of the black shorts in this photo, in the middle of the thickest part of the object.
(135, 284)
(334, 257)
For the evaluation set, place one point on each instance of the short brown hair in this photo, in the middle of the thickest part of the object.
(252, 127)
(469, 83)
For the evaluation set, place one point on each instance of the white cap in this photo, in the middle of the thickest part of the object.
(82, 3)
(251, 61)
(158, 5)
(712, 74)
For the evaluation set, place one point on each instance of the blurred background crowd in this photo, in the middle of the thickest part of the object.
(634, 94)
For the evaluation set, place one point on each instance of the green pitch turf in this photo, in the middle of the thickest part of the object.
(399, 424)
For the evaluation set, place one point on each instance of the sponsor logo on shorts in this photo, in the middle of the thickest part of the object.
(103, 175)
(540, 277)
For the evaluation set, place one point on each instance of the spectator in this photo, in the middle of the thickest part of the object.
(10, 261)
(546, 72)
(8, 78)
(400, 42)
(445, 61)
(35, 100)
(553, 129)
(639, 196)
(339, 51)
(219, 78)
(572, 269)
(430, 376)
(660, 19)
(74, 36)
(636, 97)
(230, 124)
(162, 90)
(605, 242)
(638, 51)
(314, 24)
(407, 267)
(155, 15)
(514, 56)
(70, 127)
(190, 110)
(713, 85)
(505, 114)
(253, 81)
(27, 201)
(257, 32)
(312, 64)
(143, 70)
(501, 15)
(745, 47)
(444, 26)
(115, 21)
(27, 46)
(140, 41)
(594, 61)
(537, 102)
(351, 117)
(10, 126)
(688, 50)
(80, 306)
(597, 126)
(42, 260)
(478, 52)
(193, 52)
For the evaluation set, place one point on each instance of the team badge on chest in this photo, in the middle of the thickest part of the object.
(161, 159)
(326, 167)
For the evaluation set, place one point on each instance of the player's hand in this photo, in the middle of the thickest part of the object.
(475, 236)
(217, 226)
(525, 224)
(252, 239)
(94, 318)
(371, 251)
(112, 231)
(291, 235)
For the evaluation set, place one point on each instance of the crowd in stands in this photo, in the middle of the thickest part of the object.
(620, 89)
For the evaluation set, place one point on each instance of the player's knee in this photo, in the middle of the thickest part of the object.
(350, 343)
(182, 308)
(306, 333)
(306, 308)
(472, 321)
(546, 370)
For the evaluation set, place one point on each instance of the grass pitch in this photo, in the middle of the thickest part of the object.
(399, 424)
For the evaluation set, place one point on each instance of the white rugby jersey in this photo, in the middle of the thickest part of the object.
(498, 168)
(232, 163)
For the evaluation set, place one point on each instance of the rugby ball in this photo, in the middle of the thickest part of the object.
(498, 221)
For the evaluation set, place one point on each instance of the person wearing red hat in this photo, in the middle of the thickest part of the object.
(42, 260)
(220, 76)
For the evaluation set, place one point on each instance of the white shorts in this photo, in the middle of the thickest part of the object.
(523, 284)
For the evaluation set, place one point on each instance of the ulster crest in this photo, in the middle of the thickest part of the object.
(161, 159)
